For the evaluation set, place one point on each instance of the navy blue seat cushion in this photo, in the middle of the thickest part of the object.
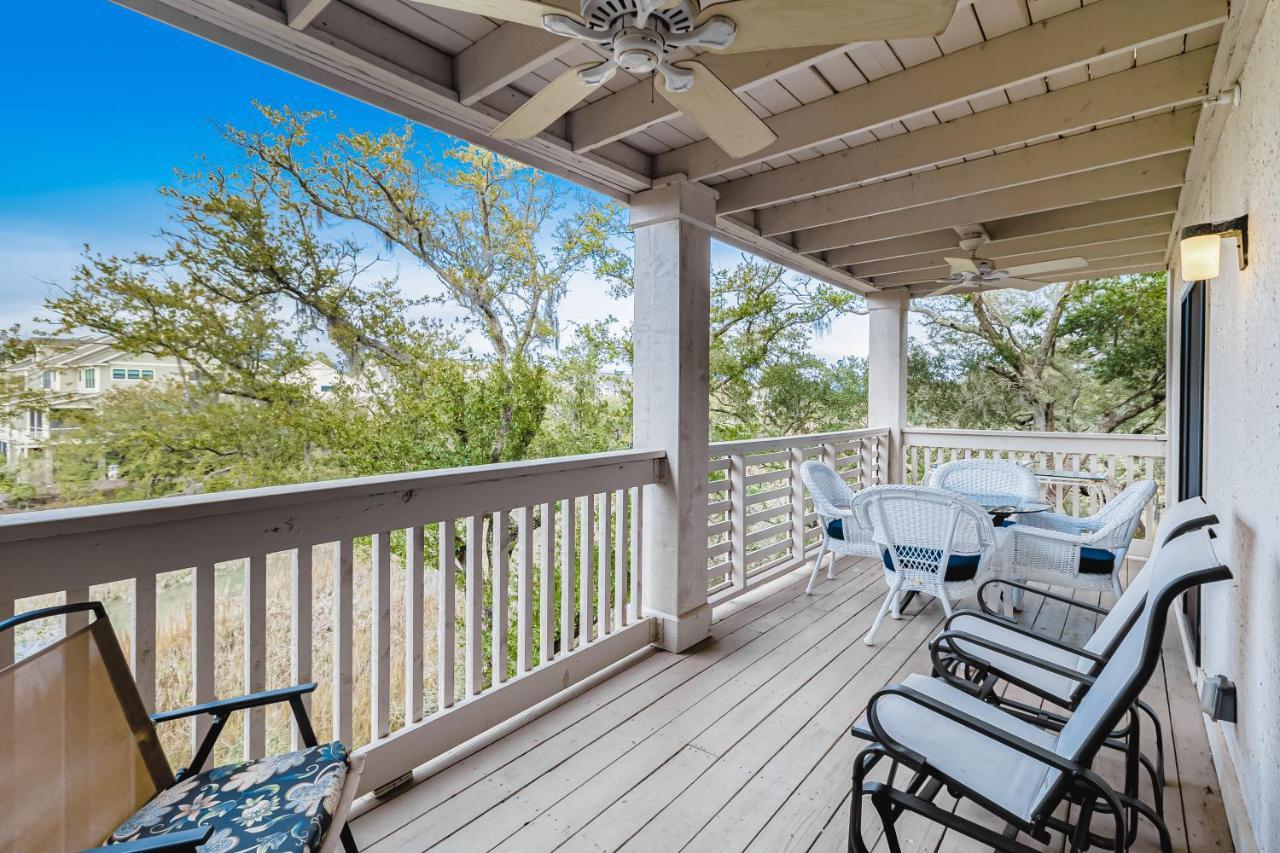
(1096, 561)
(281, 803)
(960, 567)
(835, 529)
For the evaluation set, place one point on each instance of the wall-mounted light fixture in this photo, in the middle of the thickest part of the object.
(1202, 247)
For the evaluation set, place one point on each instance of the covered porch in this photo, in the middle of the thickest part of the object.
(623, 654)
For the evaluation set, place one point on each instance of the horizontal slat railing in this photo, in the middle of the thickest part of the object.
(1116, 460)
(760, 522)
(430, 606)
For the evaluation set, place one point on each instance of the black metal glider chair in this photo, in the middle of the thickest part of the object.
(83, 765)
(942, 736)
(980, 651)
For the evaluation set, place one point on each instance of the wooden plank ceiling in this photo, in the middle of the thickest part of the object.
(1056, 127)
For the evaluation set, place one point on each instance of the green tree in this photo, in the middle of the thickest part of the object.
(1084, 355)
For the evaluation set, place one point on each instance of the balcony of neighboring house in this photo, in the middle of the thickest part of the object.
(617, 651)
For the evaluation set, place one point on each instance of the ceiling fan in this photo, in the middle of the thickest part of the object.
(641, 35)
(978, 273)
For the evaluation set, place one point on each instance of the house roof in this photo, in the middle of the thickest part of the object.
(1056, 126)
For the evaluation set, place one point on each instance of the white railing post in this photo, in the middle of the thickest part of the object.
(797, 503)
(672, 340)
(738, 519)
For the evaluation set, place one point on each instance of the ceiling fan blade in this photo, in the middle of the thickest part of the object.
(776, 24)
(962, 264)
(947, 287)
(525, 12)
(1046, 267)
(721, 114)
(556, 98)
(1022, 283)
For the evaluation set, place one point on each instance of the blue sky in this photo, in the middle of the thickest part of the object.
(100, 115)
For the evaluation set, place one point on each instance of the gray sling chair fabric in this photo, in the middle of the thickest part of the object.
(82, 760)
(983, 650)
(1022, 769)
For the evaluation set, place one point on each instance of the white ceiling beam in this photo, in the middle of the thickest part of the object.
(502, 57)
(1016, 249)
(1064, 41)
(1085, 215)
(1167, 83)
(1094, 254)
(1016, 228)
(1140, 176)
(635, 108)
(1081, 152)
(301, 13)
(742, 236)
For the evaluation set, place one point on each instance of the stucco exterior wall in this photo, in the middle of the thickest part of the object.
(1242, 470)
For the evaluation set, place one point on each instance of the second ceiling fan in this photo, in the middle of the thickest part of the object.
(976, 274)
(640, 36)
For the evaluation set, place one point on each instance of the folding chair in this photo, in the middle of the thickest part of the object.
(1011, 766)
(84, 765)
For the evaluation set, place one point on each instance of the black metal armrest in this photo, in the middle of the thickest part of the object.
(222, 709)
(942, 709)
(1005, 624)
(1102, 611)
(187, 841)
(949, 639)
(226, 706)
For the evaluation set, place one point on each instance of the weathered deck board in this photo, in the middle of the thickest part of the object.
(742, 744)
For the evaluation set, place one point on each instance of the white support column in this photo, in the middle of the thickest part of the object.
(887, 372)
(672, 343)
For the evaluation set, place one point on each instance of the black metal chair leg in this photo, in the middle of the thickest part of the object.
(1132, 765)
(886, 811)
(1155, 784)
(861, 766)
(1155, 724)
(1166, 840)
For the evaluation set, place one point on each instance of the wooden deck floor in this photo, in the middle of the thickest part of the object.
(742, 744)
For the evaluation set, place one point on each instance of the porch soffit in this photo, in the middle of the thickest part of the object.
(1061, 124)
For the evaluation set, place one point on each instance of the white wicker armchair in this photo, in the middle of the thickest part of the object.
(1082, 553)
(931, 541)
(989, 481)
(841, 534)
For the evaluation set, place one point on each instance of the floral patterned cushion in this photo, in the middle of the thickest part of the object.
(279, 803)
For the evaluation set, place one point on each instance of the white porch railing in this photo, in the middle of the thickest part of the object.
(1114, 460)
(331, 581)
(760, 522)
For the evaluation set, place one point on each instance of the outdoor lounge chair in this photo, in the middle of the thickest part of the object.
(1011, 766)
(841, 533)
(979, 651)
(1081, 553)
(931, 541)
(84, 765)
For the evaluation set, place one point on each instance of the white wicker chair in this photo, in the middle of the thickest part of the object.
(988, 481)
(841, 534)
(1082, 553)
(931, 541)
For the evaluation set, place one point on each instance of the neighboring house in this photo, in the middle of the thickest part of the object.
(73, 373)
